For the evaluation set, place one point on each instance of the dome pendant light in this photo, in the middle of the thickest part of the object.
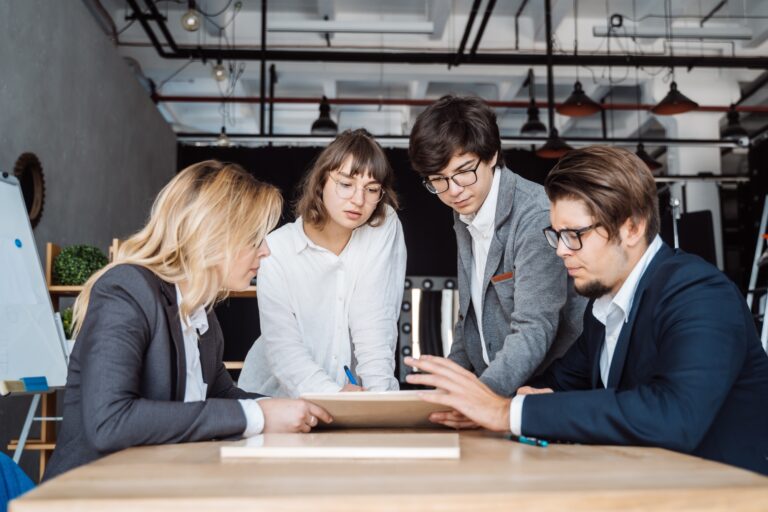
(578, 104)
(219, 71)
(733, 130)
(533, 127)
(674, 102)
(555, 147)
(324, 125)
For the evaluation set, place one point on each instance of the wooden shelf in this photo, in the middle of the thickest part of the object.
(33, 445)
(249, 292)
(64, 291)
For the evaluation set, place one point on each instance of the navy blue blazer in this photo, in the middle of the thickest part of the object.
(688, 373)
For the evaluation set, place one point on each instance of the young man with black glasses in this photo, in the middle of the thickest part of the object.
(669, 355)
(517, 308)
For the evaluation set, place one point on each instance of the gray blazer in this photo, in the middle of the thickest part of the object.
(531, 313)
(127, 375)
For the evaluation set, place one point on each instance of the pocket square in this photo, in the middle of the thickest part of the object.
(502, 277)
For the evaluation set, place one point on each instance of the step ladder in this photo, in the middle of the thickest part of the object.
(760, 260)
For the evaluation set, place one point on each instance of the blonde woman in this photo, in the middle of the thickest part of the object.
(147, 366)
(330, 296)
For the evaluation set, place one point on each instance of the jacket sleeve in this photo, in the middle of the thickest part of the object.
(573, 371)
(114, 337)
(375, 306)
(540, 292)
(701, 342)
(223, 386)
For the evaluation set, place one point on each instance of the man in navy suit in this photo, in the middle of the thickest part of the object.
(669, 355)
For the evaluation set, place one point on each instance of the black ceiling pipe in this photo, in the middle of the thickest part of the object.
(272, 82)
(712, 12)
(483, 23)
(517, 23)
(263, 79)
(550, 71)
(467, 30)
(502, 59)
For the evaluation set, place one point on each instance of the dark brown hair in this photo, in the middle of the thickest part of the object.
(367, 158)
(613, 183)
(450, 126)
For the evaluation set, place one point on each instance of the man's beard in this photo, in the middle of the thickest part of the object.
(592, 290)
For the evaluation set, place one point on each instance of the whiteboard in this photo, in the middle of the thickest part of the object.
(30, 345)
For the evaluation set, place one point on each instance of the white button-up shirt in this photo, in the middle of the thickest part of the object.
(317, 309)
(192, 328)
(481, 226)
(613, 312)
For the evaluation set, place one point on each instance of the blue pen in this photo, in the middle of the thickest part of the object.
(528, 440)
(350, 376)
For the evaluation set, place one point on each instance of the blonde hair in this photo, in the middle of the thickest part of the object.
(199, 222)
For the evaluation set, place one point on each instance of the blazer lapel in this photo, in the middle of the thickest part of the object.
(464, 246)
(179, 374)
(501, 233)
(622, 345)
(599, 335)
(207, 347)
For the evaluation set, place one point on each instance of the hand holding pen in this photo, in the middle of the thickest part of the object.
(352, 385)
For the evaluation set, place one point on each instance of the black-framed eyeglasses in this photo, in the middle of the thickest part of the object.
(571, 237)
(439, 184)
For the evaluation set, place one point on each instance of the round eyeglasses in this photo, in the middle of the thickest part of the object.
(571, 237)
(439, 184)
(346, 189)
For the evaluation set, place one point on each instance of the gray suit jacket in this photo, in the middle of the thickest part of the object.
(531, 313)
(127, 375)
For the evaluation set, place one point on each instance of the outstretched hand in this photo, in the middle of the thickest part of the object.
(282, 415)
(461, 390)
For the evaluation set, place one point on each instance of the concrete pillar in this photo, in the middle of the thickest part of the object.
(719, 90)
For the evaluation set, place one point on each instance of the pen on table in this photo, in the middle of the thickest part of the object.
(350, 376)
(528, 440)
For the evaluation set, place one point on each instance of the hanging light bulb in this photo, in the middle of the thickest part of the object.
(190, 20)
(533, 126)
(674, 102)
(219, 71)
(646, 158)
(555, 147)
(733, 130)
(324, 125)
(578, 103)
(223, 140)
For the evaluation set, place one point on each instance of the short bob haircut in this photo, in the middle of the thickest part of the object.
(367, 159)
(613, 183)
(451, 126)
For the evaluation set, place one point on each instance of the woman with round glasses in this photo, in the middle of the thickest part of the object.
(330, 295)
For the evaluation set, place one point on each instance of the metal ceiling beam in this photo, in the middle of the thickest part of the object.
(414, 102)
(483, 23)
(467, 29)
(444, 58)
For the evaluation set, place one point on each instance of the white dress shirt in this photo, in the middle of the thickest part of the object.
(481, 226)
(192, 328)
(613, 312)
(317, 309)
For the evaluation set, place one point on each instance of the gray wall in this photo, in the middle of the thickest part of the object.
(67, 96)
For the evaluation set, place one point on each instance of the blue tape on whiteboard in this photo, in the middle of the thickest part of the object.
(35, 383)
(18, 243)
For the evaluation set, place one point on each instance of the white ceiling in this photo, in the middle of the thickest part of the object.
(448, 19)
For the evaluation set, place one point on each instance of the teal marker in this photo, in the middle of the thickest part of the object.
(528, 440)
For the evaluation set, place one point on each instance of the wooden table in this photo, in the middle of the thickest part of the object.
(492, 474)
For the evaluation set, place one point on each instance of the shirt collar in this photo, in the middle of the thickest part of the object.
(625, 297)
(483, 220)
(199, 319)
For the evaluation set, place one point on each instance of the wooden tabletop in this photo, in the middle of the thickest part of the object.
(492, 474)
